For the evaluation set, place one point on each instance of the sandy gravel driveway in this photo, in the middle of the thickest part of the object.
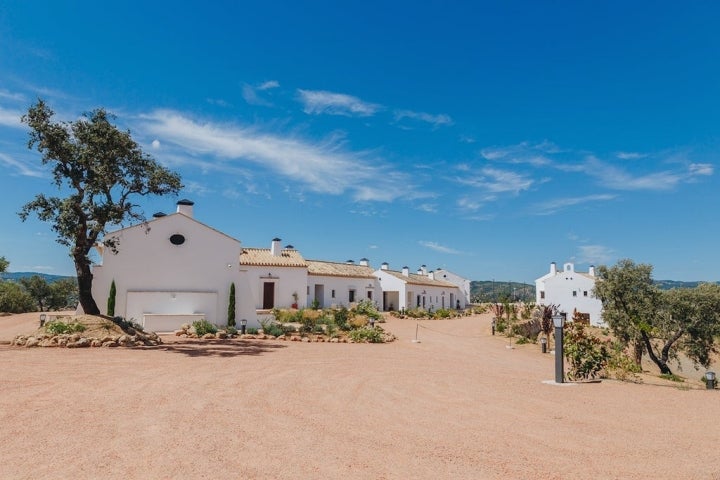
(458, 405)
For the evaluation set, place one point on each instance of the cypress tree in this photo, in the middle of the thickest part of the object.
(111, 300)
(231, 306)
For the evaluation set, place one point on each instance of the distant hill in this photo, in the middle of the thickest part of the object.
(669, 284)
(15, 276)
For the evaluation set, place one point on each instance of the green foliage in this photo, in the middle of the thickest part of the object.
(38, 288)
(367, 335)
(203, 326)
(63, 294)
(315, 305)
(587, 355)
(127, 325)
(15, 299)
(620, 365)
(523, 340)
(367, 308)
(341, 317)
(252, 331)
(672, 377)
(231, 306)
(274, 330)
(231, 330)
(111, 300)
(101, 168)
(4, 264)
(59, 328)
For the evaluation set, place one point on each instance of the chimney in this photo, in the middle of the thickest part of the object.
(423, 269)
(591, 272)
(350, 262)
(553, 268)
(158, 214)
(406, 271)
(419, 271)
(275, 248)
(364, 262)
(384, 266)
(185, 207)
(431, 275)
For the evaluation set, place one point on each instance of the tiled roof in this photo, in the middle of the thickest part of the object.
(333, 269)
(263, 258)
(415, 279)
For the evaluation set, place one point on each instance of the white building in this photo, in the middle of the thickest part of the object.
(335, 284)
(571, 291)
(405, 290)
(278, 276)
(173, 270)
(462, 283)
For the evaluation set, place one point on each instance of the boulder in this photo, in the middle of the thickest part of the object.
(305, 339)
(335, 340)
(83, 342)
(179, 332)
(208, 336)
(32, 342)
(96, 342)
(221, 334)
(62, 341)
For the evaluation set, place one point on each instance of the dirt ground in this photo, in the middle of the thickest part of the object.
(457, 405)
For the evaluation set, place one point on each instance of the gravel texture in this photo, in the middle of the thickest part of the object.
(457, 405)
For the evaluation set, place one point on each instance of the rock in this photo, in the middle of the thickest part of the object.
(305, 339)
(19, 341)
(62, 341)
(294, 338)
(335, 340)
(139, 343)
(179, 332)
(185, 326)
(110, 344)
(48, 342)
(32, 342)
(208, 336)
(83, 342)
(123, 339)
(106, 339)
(183, 335)
(74, 337)
(96, 342)
(191, 330)
(221, 335)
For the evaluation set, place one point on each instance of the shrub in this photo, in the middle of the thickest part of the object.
(620, 365)
(15, 299)
(274, 330)
(203, 326)
(341, 318)
(231, 330)
(111, 300)
(367, 308)
(358, 321)
(444, 313)
(252, 331)
(59, 328)
(366, 335)
(126, 325)
(586, 354)
(315, 305)
(522, 340)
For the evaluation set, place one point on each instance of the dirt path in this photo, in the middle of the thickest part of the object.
(458, 405)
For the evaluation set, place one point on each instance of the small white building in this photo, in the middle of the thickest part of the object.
(462, 283)
(172, 270)
(335, 284)
(571, 291)
(278, 276)
(405, 290)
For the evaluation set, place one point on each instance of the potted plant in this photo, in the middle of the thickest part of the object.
(295, 300)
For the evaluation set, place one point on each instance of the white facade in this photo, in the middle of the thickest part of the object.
(335, 284)
(462, 283)
(570, 290)
(405, 290)
(173, 270)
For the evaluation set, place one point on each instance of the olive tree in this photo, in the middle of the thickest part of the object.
(101, 168)
(3, 265)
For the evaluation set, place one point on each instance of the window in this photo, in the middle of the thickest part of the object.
(369, 294)
(574, 293)
(351, 296)
(584, 293)
(307, 290)
(332, 293)
(542, 294)
(418, 300)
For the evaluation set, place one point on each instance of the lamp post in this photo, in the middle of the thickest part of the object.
(710, 380)
(559, 322)
(243, 325)
(493, 326)
(543, 345)
(42, 319)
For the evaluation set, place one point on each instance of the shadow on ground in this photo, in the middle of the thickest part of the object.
(216, 348)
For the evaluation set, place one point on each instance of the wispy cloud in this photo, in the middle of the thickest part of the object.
(439, 248)
(494, 180)
(8, 95)
(553, 206)
(19, 167)
(428, 207)
(11, 118)
(323, 167)
(317, 102)
(434, 120)
(630, 155)
(595, 254)
(251, 94)
(218, 101)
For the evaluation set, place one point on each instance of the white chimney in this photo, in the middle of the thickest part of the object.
(431, 275)
(384, 266)
(591, 272)
(185, 207)
(406, 271)
(423, 269)
(364, 262)
(419, 271)
(553, 268)
(275, 248)
(350, 262)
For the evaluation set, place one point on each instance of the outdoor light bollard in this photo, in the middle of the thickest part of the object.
(493, 327)
(543, 345)
(559, 322)
(710, 380)
(243, 324)
(42, 319)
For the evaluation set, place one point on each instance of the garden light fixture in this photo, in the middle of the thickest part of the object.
(243, 324)
(710, 380)
(559, 322)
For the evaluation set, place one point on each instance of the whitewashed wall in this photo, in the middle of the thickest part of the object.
(287, 280)
(559, 288)
(342, 287)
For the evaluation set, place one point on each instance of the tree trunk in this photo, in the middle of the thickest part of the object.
(84, 277)
(661, 363)
(638, 348)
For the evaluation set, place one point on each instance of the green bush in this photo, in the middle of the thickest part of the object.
(367, 335)
(252, 331)
(203, 326)
(341, 316)
(587, 355)
(367, 308)
(59, 328)
(15, 299)
(231, 330)
(274, 330)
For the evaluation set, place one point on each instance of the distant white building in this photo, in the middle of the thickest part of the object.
(172, 270)
(570, 290)
(462, 283)
(334, 284)
(405, 290)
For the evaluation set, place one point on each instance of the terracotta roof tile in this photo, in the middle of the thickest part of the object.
(263, 258)
(415, 279)
(334, 269)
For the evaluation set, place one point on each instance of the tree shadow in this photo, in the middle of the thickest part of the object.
(216, 348)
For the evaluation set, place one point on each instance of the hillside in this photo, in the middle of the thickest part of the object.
(15, 276)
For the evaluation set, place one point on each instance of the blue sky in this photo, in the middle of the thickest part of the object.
(487, 138)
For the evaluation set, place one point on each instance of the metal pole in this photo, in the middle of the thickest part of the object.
(559, 366)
